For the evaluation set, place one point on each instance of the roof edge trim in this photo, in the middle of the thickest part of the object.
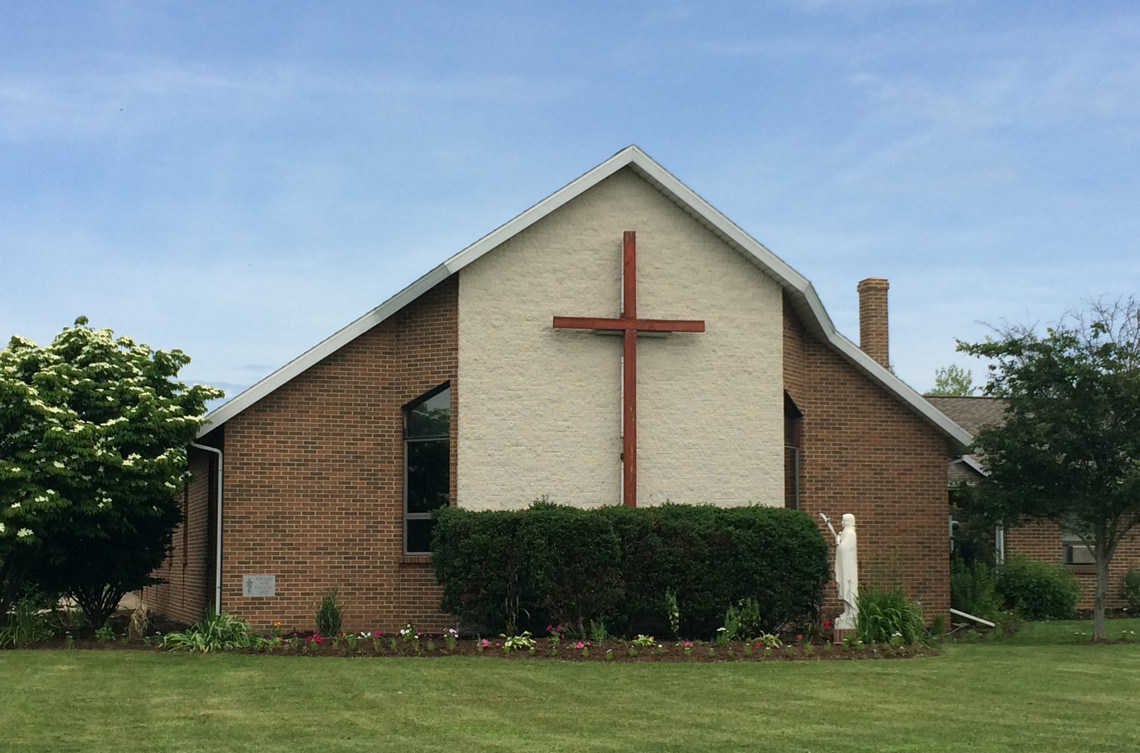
(321, 350)
(631, 156)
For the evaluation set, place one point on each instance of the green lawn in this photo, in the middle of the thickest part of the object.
(1010, 696)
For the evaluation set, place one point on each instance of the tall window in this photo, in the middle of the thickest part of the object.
(427, 464)
(793, 423)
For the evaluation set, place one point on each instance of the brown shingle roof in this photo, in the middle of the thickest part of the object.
(971, 413)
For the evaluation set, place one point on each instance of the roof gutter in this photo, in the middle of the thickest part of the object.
(218, 546)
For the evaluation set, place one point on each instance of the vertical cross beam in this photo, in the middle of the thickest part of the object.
(629, 325)
(629, 371)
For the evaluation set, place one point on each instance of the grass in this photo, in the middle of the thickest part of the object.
(1060, 632)
(1041, 691)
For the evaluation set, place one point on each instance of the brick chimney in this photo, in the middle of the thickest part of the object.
(873, 337)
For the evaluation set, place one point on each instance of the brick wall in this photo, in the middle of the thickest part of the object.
(314, 480)
(865, 452)
(188, 573)
(874, 332)
(1042, 540)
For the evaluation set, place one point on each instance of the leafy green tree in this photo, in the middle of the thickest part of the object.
(953, 380)
(1069, 448)
(93, 436)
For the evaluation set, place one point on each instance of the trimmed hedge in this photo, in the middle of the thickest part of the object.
(514, 570)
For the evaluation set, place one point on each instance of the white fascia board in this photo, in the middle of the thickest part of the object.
(679, 193)
(322, 350)
(802, 291)
(973, 463)
(908, 394)
(559, 198)
(665, 182)
(804, 296)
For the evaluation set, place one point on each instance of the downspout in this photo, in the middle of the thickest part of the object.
(218, 546)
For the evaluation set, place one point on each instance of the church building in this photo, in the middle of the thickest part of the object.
(620, 342)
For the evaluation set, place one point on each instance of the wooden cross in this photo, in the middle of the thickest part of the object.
(629, 325)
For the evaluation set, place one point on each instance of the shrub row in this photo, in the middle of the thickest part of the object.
(515, 570)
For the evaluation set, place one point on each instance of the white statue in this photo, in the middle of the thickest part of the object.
(846, 571)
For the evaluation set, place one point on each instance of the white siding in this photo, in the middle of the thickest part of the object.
(540, 409)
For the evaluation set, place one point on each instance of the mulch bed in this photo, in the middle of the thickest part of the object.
(544, 649)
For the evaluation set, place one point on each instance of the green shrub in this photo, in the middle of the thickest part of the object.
(887, 617)
(1130, 589)
(552, 563)
(1037, 590)
(328, 615)
(742, 622)
(217, 632)
(973, 588)
(575, 578)
(105, 633)
(483, 572)
(711, 557)
(26, 625)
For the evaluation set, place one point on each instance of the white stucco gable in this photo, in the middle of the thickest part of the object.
(540, 408)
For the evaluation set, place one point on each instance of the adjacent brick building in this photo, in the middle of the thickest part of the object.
(1038, 539)
(460, 390)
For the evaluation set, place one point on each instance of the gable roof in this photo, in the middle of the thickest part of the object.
(799, 291)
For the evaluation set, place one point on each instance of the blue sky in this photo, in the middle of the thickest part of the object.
(242, 179)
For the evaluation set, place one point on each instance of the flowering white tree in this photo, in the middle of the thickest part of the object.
(93, 436)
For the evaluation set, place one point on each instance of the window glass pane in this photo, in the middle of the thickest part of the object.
(792, 478)
(431, 417)
(428, 474)
(419, 535)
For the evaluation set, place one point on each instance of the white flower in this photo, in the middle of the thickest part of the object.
(15, 505)
(1, 528)
(23, 533)
(58, 464)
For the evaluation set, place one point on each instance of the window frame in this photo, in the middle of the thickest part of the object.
(407, 438)
(793, 435)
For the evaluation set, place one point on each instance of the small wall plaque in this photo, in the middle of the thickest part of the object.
(259, 585)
